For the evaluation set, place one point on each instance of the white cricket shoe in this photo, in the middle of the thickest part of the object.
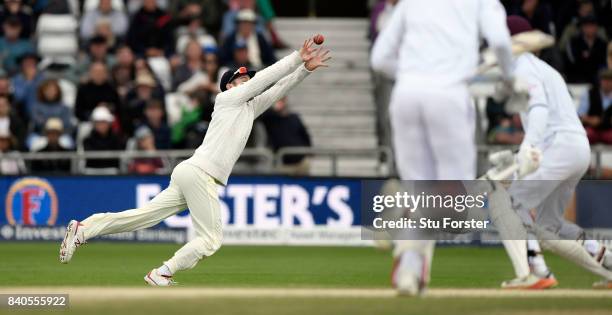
(155, 279)
(406, 282)
(531, 282)
(75, 237)
(603, 285)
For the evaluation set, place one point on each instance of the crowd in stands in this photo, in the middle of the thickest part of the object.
(113, 75)
(583, 54)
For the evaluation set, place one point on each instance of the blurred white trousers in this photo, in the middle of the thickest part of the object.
(433, 139)
(565, 159)
(190, 187)
(433, 132)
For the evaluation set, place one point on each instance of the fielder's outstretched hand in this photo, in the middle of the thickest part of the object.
(306, 49)
(317, 59)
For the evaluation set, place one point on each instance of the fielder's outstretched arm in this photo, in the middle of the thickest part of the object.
(263, 79)
(314, 60)
(262, 102)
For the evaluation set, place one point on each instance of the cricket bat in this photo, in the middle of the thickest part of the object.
(524, 42)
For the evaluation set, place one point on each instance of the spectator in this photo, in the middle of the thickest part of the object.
(261, 53)
(585, 8)
(503, 127)
(123, 71)
(96, 90)
(98, 51)
(150, 30)
(25, 83)
(145, 141)
(11, 121)
(102, 138)
(190, 65)
(53, 132)
(132, 113)
(267, 13)
(208, 12)
(9, 165)
(16, 8)
(609, 55)
(538, 13)
(190, 28)
(155, 121)
(585, 53)
(285, 129)
(12, 46)
(48, 105)
(595, 110)
(229, 17)
(104, 14)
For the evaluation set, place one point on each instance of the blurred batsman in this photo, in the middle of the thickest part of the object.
(552, 126)
(431, 48)
(194, 182)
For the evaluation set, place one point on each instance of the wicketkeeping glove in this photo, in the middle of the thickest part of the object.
(529, 159)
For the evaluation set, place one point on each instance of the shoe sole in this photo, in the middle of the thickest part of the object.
(542, 284)
(599, 286)
(67, 247)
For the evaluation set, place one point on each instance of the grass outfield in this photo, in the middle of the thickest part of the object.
(123, 265)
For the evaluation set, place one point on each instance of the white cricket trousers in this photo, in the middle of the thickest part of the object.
(190, 187)
(565, 159)
(433, 139)
(433, 132)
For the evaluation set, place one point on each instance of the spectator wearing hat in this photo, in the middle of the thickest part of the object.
(49, 104)
(12, 122)
(97, 89)
(595, 110)
(54, 128)
(260, 52)
(102, 138)
(155, 120)
(150, 30)
(145, 142)
(585, 53)
(26, 81)
(12, 46)
(9, 165)
(285, 129)
(104, 14)
(132, 112)
(228, 25)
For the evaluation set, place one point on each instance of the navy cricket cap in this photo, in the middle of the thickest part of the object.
(231, 75)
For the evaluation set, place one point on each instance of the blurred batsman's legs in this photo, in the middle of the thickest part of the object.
(190, 187)
(433, 138)
(549, 191)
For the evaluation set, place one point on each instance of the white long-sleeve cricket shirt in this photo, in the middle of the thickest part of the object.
(436, 42)
(236, 109)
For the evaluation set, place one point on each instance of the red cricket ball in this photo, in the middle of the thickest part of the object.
(318, 39)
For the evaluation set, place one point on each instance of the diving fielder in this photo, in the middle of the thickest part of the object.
(431, 48)
(194, 182)
(552, 125)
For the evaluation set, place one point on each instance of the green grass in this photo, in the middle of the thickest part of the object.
(365, 306)
(121, 264)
